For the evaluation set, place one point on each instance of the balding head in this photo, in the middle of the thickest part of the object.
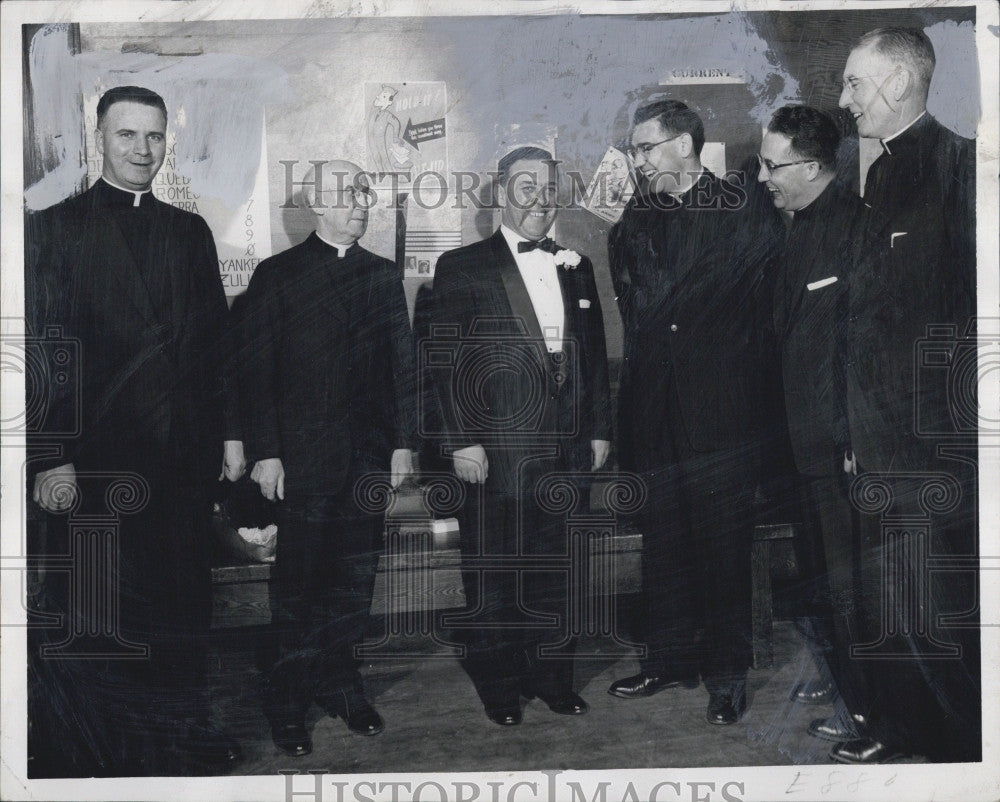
(339, 195)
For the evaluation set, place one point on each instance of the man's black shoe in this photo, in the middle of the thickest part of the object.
(642, 685)
(864, 751)
(565, 703)
(833, 729)
(291, 738)
(813, 693)
(723, 709)
(361, 718)
(504, 715)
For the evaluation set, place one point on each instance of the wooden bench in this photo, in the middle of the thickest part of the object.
(420, 573)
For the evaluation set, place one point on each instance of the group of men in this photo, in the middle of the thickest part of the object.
(313, 382)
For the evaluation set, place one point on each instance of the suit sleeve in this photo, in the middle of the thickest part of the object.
(960, 219)
(621, 264)
(260, 334)
(391, 310)
(598, 390)
(453, 312)
(234, 388)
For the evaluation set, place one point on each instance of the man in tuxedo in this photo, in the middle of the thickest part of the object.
(823, 234)
(524, 394)
(328, 363)
(689, 277)
(913, 420)
(135, 283)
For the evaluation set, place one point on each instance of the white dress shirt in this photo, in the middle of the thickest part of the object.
(541, 278)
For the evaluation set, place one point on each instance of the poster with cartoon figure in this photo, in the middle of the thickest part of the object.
(405, 129)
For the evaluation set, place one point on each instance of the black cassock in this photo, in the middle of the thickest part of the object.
(690, 274)
(911, 383)
(134, 293)
(327, 378)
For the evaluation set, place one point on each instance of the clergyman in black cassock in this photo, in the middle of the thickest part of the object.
(327, 360)
(689, 284)
(134, 283)
(912, 411)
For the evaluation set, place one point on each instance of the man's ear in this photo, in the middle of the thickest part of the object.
(308, 198)
(901, 83)
(813, 170)
(685, 145)
(99, 139)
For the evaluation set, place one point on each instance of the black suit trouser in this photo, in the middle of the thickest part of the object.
(514, 611)
(697, 530)
(826, 551)
(922, 700)
(321, 592)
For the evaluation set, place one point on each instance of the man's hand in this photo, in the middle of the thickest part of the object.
(471, 464)
(270, 475)
(55, 490)
(600, 450)
(234, 462)
(401, 465)
(850, 463)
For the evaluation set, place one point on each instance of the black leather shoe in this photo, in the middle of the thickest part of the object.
(723, 709)
(864, 751)
(202, 743)
(292, 738)
(565, 703)
(832, 729)
(641, 685)
(504, 715)
(813, 693)
(361, 718)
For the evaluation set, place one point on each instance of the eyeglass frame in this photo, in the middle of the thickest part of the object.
(647, 147)
(352, 192)
(770, 166)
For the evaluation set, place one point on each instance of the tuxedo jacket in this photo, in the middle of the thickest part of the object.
(135, 294)
(498, 386)
(918, 270)
(810, 321)
(689, 275)
(326, 365)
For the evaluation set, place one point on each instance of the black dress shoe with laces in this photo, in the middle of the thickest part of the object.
(641, 685)
(833, 729)
(292, 738)
(813, 693)
(864, 751)
(361, 718)
(505, 715)
(724, 709)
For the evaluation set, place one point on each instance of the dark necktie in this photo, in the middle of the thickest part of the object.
(545, 244)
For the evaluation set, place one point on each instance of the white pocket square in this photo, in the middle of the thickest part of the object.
(892, 238)
(584, 303)
(823, 282)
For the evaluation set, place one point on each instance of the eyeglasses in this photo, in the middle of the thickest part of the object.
(647, 147)
(362, 197)
(851, 83)
(770, 166)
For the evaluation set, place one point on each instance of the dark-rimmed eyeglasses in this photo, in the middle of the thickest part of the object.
(647, 147)
(770, 166)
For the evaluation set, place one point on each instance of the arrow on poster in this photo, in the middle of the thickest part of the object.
(423, 132)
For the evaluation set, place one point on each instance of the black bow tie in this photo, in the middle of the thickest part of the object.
(545, 244)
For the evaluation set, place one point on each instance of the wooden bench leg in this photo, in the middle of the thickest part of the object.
(762, 610)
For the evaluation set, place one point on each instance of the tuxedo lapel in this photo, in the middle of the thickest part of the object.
(517, 294)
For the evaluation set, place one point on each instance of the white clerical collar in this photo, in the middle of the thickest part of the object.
(138, 195)
(341, 248)
(910, 124)
(513, 238)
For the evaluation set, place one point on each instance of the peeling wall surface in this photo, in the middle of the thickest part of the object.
(571, 79)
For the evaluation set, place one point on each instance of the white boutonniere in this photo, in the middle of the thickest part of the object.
(567, 259)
